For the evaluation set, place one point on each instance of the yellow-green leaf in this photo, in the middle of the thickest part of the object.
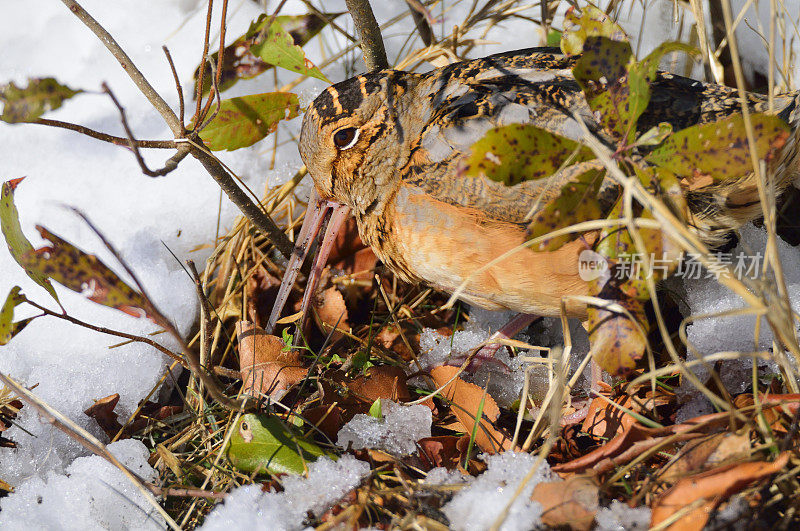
(17, 243)
(278, 48)
(8, 328)
(262, 443)
(25, 104)
(521, 152)
(243, 121)
(84, 273)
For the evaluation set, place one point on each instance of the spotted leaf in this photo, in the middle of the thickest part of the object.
(588, 22)
(25, 104)
(243, 121)
(84, 273)
(17, 243)
(576, 202)
(719, 150)
(521, 152)
(8, 328)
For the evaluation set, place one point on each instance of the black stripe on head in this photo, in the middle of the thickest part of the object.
(344, 98)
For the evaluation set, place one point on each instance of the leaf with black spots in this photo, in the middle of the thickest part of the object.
(589, 22)
(576, 202)
(17, 243)
(262, 443)
(84, 273)
(243, 121)
(617, 338)
(516, 153)
(8, 328)
(25, 104)
(719, 150)
(238, 61)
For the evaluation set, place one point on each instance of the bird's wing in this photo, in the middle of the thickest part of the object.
(532, 86)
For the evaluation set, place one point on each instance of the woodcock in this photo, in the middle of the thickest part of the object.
(387, 145)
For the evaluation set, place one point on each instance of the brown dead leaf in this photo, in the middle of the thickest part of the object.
(328, 419)
(605, 421)
(439, 451)
(571, 503)
(262, 288)
(714, 487)
(387, 336)
(102, 411)
(382, 381)
(706, 453)
(265, 367)
(331, 312)
(465, 399)
(349, 253)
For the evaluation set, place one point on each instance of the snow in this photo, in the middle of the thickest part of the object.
(396, 433)
(91, 494)
(249, 507)
(619, 517)
(477, 506)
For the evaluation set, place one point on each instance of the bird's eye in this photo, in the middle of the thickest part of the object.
(345, 138)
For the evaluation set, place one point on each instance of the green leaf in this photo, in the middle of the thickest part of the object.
(278, 48)
(719, 150)
(655, 135)
(375, 410)
(243, 121)
(8, 328)
(554, 38)
(576, 202)
(262, 443)
(589, 22)
(238, 62)
(17, 243)
(29, 103)
(85, 274)
(521, 152)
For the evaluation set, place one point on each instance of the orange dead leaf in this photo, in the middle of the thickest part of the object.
(568, 504)
(331, 312)
(440, 451)
(713, 486)
(265, 367)
(706, 453)
(465, 399)
(605, 421)
(383, 381)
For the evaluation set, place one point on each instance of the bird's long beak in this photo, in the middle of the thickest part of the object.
(317, 212)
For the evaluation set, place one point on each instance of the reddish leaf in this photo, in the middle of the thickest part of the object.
(103, 412)
(266, 367)
(568, 504)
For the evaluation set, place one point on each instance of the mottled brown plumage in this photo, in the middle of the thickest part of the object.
(387, 145)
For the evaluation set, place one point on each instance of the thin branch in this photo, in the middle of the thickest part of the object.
(172, 162)
(199, 95)
(108, 331)
(418, 13)
(218, 73)
(370, 34)
(135, 74)
(178, 87)
(111, 139)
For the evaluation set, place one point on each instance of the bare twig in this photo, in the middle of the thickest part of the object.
(203, 59)
(111, 139)
(178, 87)
(110, 332)
(370, 34)
(218, 73)
(418, 12)
(135, 74)
(172, 162)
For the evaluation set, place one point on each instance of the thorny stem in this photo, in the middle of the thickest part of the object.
(370, 34)
(135, 74)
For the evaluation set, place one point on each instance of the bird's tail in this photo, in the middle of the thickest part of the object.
(718, 209)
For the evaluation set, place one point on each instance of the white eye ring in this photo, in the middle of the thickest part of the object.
(346, 143)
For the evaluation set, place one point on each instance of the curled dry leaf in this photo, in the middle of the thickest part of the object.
(102, 411)
(706, 453)
(568, 504)
(465, 399)
(265, 366)
(440, 451)
(713, 487)
(331, 312)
